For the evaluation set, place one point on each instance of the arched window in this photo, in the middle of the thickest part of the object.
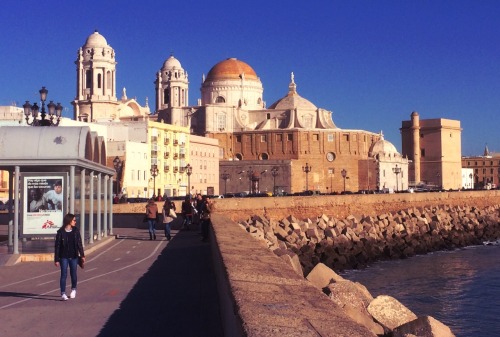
(99, 81)
(220, 99)
(238, 156)
(88, 79)
(264, 156)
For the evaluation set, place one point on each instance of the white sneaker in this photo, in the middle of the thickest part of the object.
(73, 293)
(64, 297)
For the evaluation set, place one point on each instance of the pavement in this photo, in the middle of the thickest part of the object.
(130, 286)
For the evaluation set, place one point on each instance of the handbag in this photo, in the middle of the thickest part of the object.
(81, 262)
(172, 214)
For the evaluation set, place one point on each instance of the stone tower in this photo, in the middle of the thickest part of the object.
(95, 80)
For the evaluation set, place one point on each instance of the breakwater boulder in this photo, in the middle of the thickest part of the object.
(356, 240)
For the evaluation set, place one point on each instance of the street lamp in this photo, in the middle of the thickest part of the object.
(154, 174)
(225, 176)
(344, 176)
(274, 173)
(32, 110)
(118, 164)
(397, 171)
(306, 170)
(189, 171)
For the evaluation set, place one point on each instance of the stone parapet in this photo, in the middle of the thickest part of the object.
(262, 296)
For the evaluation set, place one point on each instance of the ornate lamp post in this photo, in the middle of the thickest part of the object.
(397, 171)
(154, 174)
(189, 171)
(344, 176)
(225, 176)
(32, 110)
(274, 173)
(306, 170)
(118, 164)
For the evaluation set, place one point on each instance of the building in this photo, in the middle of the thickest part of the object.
(434, 148)
(96, 99)
(485, 169)
(291, 135)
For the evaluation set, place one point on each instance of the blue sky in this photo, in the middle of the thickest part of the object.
(370, 62)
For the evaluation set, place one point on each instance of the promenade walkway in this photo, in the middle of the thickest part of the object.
(130, 286)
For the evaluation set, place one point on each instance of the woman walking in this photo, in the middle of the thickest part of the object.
(68, 248)
(151, 214)
(168, 209)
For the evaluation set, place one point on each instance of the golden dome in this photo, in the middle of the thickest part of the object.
(231, 69)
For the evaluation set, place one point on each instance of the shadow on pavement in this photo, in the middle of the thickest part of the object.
(176, 297)
(30, 295)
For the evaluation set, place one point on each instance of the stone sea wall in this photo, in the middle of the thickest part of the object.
(355, 241)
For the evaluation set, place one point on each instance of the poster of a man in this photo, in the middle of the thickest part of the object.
(36, 200)
(54, 198)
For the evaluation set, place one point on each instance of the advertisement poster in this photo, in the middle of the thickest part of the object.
(43, 201)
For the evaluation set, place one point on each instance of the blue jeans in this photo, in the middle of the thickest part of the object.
(167, 229)
(73, 263)
(152, 227)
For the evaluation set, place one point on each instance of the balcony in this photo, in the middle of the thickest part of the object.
(166, 141)
(176, 156)
(176, 142)
(154, 139)
(154, 153)
(166, 155)
(176, 169)
(182, 155)
(166, 168)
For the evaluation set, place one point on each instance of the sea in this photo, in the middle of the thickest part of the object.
(460, 288)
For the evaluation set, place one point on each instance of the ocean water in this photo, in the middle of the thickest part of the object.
(460, 288)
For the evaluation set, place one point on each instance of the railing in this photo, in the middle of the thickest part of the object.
(166, 155)
(176, 156)
(176, 169)
(166, 168)
(166, 141)
(176, 142)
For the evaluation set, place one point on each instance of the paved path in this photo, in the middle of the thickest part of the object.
(130, 287)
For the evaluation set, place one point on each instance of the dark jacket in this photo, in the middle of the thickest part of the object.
(61, 245)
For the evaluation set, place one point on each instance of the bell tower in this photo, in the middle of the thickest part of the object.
(95, 80)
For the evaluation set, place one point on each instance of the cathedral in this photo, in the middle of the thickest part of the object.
(290, 146)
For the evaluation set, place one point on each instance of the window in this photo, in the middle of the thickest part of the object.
(330, 137)
(99, 80)
(268, 115)
(108, 80)
(264, 156)
(422, 153)
(346, 137)
(220, 99)
(238, 138)
(263, 138)
(88, 79)
(289, 136)
(316, 137)
(279, 137)
(221, 121)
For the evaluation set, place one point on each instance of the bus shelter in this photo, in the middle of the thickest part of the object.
(54, 171)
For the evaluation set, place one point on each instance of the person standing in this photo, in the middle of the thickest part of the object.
(198, 204)
(206, 210)
(54, 198)
(168, 206)
(187, 212)
(68, 248)
(151, 214)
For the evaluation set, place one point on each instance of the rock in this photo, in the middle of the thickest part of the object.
(389, 312)
(321, 276)
(425, 326)
(293, 261)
